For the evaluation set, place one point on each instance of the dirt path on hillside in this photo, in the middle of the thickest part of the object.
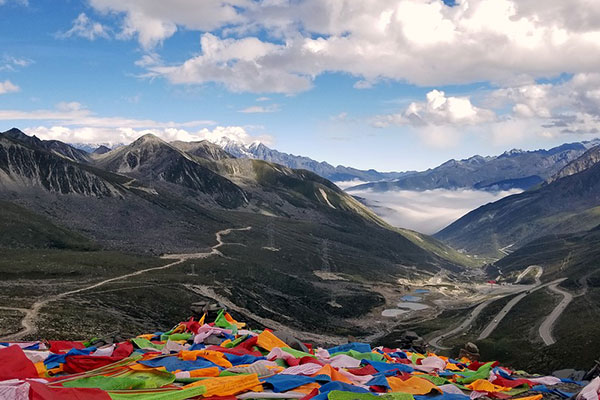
(28, 322)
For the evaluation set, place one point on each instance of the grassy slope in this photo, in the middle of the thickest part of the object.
(306, 191)
(20, 227)
(571, 255)
(563, 206)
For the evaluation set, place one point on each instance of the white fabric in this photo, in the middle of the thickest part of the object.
(247, 332)
(104, 351)
(304, 369)
(172, 346)
(18, 392)
(546, 380)
(591, 391)
(343, 361)
(16, 389)
(207, 330)
(430, 364)
(477, 395)
(322, 353)
(449, 388)
(36, 356)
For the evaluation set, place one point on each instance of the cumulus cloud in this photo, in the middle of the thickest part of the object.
(238, 64)
(84, 27)
(438, 109)
(8, 87)
(570, 106)
(153, 21)
(428, 211)
(121, 135)
(421, 42)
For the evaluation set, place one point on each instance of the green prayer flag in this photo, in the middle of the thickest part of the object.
(160, 394)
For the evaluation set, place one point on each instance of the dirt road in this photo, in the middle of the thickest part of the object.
(28, 322)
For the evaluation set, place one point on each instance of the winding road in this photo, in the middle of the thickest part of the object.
(548, 324)
(435, 342)
(29, 320)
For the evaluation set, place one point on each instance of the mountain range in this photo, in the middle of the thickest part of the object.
(152, 197)
(514, 169)
(259, 151)
(569, 202)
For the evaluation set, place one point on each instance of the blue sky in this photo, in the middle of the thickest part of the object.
(390, 85)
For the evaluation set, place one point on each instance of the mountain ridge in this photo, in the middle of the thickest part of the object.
(565, 205)
(513, 169)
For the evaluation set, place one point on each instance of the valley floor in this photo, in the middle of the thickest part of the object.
(59, 294)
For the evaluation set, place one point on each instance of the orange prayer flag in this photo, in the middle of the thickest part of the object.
(268, 341)
(214, 356)
(306, 389)
(482, 385)
(412, 385)
(228, 385)
(232, 321)
(205, 372)
(331, 372)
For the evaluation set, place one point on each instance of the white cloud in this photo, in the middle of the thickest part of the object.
(261, 109)
(153, 21)
(238, 64)
(8, 87)
(421, 42)
(438, 109)
(84, 27)
(122, 135)
(428, 211)
(10, 63)
(148, 60)
(75, 114)
(263, 98)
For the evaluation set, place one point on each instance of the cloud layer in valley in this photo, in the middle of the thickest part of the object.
(427, 211)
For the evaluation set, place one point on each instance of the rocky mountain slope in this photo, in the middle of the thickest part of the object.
(152, 191)
(568, 204)
(512, 169)
(259, 151)
(311, 251)
(587, 160)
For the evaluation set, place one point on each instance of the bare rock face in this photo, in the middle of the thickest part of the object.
(586, 161)
(29, 166)
(151, 160)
